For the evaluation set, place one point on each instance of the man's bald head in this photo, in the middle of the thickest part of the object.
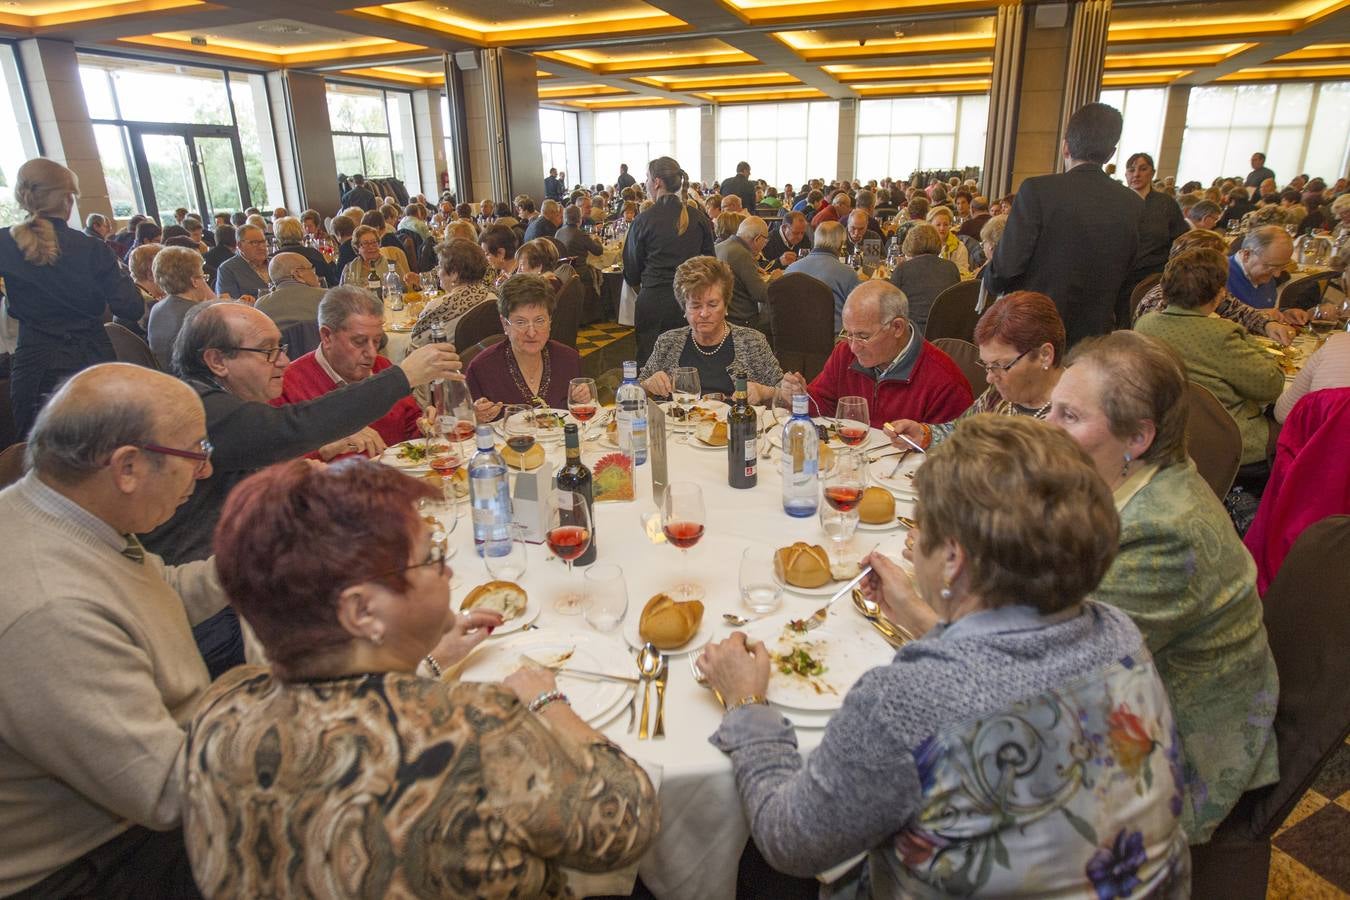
(100, 409)
(283, 266)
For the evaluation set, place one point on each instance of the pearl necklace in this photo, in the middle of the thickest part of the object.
(714, 351)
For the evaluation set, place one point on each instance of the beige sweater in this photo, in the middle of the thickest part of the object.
(99, 675)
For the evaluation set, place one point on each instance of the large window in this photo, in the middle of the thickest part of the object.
(1143, 110)
(784, 143)
(558, 144)
(1300, 126)
(897, 137)
(373, 133)
(20, 144)
(448, 135)
(632, 136)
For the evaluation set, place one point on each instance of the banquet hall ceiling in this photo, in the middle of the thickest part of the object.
(605, 54)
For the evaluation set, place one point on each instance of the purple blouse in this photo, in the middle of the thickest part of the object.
(494, 374)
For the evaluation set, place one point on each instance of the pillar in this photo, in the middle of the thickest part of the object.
(510, 107)
(431, 160)
(311, 141)
(848, 129)
(1174, 128)
(707, 143)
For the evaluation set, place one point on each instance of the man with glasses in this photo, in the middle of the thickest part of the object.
(1265, 251)
(749, 292)
(99, 675)
(883, 358)
(232, 356)
(295, 292)
(245, 275)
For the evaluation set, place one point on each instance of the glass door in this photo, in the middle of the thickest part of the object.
(220, 173)
(172, 174)
(197, 167)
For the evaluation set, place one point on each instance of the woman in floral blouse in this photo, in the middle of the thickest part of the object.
(1023, 747)
(344, 771)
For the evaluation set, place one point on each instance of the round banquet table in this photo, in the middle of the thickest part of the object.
(398, 341)
(703, 829)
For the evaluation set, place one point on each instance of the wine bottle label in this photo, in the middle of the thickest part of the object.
(750, 451)
(564, 500)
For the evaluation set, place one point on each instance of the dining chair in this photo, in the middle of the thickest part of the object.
(1307, 617)
(1304, 291)
(300, 338)
(476, 324)
(9, 432)
(801, 316)
(128, 346)
(11, 464)
(1212, 439)
(967, 357)
(953, 314)
(1140, 289)
(567, 312)
(467, 356)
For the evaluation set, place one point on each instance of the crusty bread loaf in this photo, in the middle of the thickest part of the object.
(877, 506)
(532, 458)
(505, 597)
(802, 565)
(667, 624)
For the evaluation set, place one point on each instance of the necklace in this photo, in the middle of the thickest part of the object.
(714, 351)
(518, 377)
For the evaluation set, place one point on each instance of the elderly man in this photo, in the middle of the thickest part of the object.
(98, 672)
(97, 226)
(1204, 214)
(749, 292)
(296, 293)
(741, 187)
(823, 264)
(232, 356)
(351, 325)
(1252, 269)
(787, 243)
(576, 243)
(548, 221)
(979, 214)
(885, 359)
(866, 201)
(840, 206)
(858, 231)
(245, 275)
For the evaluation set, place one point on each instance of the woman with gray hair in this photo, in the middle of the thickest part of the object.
(924, 273)
(178, 273)
(290, 234)
(58, 281)
(140, 261)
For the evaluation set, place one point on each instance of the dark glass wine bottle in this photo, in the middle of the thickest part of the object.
(742, 436)
(574, 476)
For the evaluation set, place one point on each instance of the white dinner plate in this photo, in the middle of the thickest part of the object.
(825, 590)
(716, 407)
(903, 482)
(874, 438)
(800, 718)
(845, 657)
(390, 456)
(701, 637)
(884, 526)
(591, 700)
(511, 626)
(542, 435)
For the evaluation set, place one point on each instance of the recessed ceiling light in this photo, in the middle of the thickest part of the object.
(281, 28)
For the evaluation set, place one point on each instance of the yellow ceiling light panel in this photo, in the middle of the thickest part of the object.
(1277, 18)
(1316, 52)
(714, 82)
(813, 47)
(1274, 73)
(628, 16)
(48, 13)
(579, 90)
(288, 55)
(604, 103)
(753, 96)
(394, 73)
(1194, 57)
(674, 55)
(900, 88)
(768, 12)
(1143, 76)
(852, 74)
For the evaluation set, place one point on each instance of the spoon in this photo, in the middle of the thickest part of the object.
(738, 621)
(897, 634)
(650, 664)
(907, 521)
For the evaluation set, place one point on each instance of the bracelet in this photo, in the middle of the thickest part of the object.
(752, 700)
(547, 697)
(927, 439)
(434, 666)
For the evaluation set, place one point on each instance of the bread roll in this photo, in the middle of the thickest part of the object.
(667, 624)
(877, 506)
(505, 597)
(803, 565)
(714, 434)
(532, 458)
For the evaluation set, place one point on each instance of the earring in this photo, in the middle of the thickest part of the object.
(946, 592)
(377, 638)
(1125, 469)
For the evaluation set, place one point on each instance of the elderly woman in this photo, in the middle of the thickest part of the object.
(352, 742)
(709, 342)
(461, 266)
(1023, 747)
(1160, 224)
(290, 233)
(949, 243)
(1182, 573)
(370, 256)
(178, 272)
(923, 274)
(141, 264)
(1021, 343)
(725, 225)
(1218, 353)
(527, 367)
(539, 257)
(58, 282)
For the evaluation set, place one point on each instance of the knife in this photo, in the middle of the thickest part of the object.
(660, 730)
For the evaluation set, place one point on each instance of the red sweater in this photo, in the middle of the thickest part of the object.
(931, 389)
(305, 379)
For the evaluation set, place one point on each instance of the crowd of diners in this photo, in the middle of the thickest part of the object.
(223, 634)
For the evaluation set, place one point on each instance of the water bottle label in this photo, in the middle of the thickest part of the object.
(484, 517)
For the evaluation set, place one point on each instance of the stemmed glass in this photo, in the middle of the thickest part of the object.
(583, 400)
(1324, 320)
(685, 391)
(518, 428)
(454, 406)
(569, 534)
(430, 282)
(851, 419)
(682, 519)
(843, 490)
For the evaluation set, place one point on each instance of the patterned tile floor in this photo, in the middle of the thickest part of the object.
(1310, 859)
(604, 346)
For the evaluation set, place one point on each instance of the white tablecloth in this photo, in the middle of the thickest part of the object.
(703, 830)
(399, 342)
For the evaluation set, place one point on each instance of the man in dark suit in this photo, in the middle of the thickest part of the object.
(625, 180)
(360, 195)
(546, 223)
(553, 186)
(741, 185)
(1073, 235)
(979, 215)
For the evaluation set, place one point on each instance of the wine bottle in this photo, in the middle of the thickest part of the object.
(742, 436)
(574, 476)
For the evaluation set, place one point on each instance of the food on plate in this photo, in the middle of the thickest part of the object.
(799, 661)
(505, 597)
(457, 481)
(845, 570)
(877, 506)
(714, 434)
(446, 463)
(802, 565)
(532, 458)
(419, 451)
(668, 624)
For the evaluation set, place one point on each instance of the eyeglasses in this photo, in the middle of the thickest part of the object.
(436, 556)
(537, 324)
(855, 338)
(202, 456)
(1001, 368)
(271, 353)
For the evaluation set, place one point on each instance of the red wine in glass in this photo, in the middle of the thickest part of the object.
(463, 430)
(684, 534)
(568, 541)
(520, 442)
(852, 435)
(843, 497)
(583, 413)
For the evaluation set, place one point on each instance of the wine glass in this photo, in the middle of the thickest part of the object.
(430, 282)
(569, 534)
(583, 400)
(1324, 319)
(454, 407)
(606, 597)
(518, 427)
(851, 420)
(844, 486)
(685, 391)
(682, 519)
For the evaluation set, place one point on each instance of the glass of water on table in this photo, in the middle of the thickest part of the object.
(760, 592)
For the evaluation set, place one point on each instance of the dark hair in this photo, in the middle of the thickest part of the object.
(1194, 277)
(173, 231)
(1144, 156)
(204, 328)
(292, 538)
(525, 289)
(1025, 320)
(180, 240)
(499, 237)
(373, 219)
(501, 210)
(1093, 132)
(225, 236)
(1291, 195)
(147, 232)
(668, 173)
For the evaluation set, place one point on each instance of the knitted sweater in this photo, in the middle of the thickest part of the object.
(926, 386)
(99, 676)
(305, 379)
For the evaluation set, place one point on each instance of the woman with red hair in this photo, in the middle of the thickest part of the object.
(1021, 343)
(345, 770)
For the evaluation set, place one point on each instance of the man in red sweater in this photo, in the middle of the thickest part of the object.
(884, 359)
(351, 326)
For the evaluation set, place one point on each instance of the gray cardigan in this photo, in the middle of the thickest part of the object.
(750, 348)
(922, 279)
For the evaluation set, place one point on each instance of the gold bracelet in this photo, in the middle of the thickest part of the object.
(752, 700)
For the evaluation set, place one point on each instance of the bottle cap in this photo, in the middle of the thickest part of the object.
(484, 438)
(630, 369)
(799, 404)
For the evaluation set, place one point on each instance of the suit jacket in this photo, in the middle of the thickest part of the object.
(776, 246)
(577, 242)
(742, 187)
(749, 292)
(1072, 236)
(236, 277)
(292, 302)
(539, 227)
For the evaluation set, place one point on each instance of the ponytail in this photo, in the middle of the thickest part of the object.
(36, 239)
(676, 183)
(43, 188)
(683, 222)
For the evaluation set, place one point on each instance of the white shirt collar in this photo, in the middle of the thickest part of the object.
(327, 367)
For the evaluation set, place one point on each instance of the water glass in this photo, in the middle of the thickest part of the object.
(760, 590)
(606, 597)
(838, 527)
(505, 560)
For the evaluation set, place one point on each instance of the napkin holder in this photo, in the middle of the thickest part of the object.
(658, 455)
(530, 503)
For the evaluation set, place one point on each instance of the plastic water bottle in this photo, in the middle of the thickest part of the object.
(631, 412)
(489, 497)
(801, 467)
(393, 287)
